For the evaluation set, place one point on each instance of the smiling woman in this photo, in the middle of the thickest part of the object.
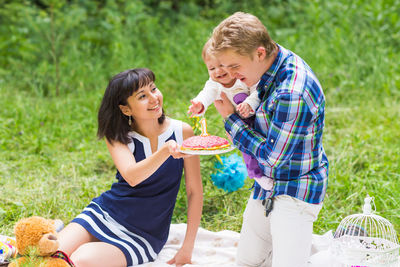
(129, 224)
(127, 86)
(148, 101)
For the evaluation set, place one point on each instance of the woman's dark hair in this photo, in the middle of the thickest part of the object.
(113, 124)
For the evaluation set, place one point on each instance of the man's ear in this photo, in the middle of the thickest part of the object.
(125, 110)
(261, 53)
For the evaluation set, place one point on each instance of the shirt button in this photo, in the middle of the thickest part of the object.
(272, 140)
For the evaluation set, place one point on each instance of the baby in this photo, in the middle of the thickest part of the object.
(243, 98)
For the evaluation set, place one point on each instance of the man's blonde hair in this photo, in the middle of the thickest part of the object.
(243, 33)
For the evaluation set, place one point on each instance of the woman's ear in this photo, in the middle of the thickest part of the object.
(125, 110)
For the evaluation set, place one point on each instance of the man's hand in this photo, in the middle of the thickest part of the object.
(224, 106)
(229, 136)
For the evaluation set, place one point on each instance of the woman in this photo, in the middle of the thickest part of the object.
(129, 224)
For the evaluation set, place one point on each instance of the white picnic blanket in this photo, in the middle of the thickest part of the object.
(219, 248)
(211, 248)
(214, 249)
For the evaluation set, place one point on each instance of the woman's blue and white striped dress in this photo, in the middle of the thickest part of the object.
(137, 219)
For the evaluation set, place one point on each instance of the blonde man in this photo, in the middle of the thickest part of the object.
(286, 139)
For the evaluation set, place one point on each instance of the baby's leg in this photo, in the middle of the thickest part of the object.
(253, 170)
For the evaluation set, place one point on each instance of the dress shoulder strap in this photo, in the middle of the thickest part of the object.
(131, 145)
(176, 126)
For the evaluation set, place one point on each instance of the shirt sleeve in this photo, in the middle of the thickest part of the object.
(287, 128)
(209, 93)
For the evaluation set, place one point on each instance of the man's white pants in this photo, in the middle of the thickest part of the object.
(283, 239)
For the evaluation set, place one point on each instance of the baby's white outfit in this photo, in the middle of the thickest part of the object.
(236, 94)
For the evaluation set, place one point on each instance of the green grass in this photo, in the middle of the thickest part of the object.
(52, 165)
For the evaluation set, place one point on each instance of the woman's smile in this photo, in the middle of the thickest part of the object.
(155, 108)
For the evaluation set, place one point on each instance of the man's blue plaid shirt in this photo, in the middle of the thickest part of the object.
(287, 135)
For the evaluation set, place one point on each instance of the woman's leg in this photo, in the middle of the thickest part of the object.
(98, 254)
(85, 250)
(291, 229)
(72, 237)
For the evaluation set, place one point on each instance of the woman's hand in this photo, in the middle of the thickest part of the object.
(173, 149)
(224, 106)
(181, 258)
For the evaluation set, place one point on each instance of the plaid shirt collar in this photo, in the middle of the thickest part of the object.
(268, 77)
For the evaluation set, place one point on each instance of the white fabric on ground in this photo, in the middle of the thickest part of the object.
(211, 248)
(214, 249)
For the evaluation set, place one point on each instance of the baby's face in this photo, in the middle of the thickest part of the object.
(217, 73)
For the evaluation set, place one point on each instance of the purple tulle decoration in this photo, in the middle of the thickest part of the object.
(231, 173)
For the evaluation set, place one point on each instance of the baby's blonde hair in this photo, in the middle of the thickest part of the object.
(243, 33)
(206, 50)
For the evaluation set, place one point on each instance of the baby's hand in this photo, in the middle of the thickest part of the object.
(244, 110)
(195, 108)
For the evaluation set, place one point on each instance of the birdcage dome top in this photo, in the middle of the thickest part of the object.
(366, 239)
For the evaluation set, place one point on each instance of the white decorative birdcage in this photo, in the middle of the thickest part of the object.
(366, 239)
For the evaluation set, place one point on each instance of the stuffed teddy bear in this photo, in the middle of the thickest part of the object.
(37, 244)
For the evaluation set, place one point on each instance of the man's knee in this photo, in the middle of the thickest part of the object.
(244, 258)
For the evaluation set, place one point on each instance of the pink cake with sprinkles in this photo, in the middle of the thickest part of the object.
(209, 142)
